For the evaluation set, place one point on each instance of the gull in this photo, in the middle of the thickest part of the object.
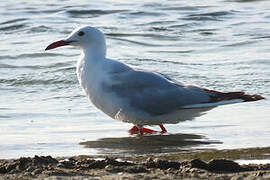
(139, 96)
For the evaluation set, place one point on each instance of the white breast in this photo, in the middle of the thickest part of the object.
(92, 77)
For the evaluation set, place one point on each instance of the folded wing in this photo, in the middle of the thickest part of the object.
(155, 93)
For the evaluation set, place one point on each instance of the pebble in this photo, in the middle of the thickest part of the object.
(136, 169)
(3, 170)
(223, 165)
(162, 164)
(197, 163)
(36, 172)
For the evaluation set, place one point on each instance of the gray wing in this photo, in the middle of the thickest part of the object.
(155, 93)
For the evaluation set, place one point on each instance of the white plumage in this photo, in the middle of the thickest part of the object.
(138, 96)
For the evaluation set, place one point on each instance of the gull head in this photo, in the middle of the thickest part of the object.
(86, 37)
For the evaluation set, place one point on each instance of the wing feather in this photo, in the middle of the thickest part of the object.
(154, 93)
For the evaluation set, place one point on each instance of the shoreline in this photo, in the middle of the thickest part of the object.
(205, 164)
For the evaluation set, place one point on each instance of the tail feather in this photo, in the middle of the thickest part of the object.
(217, 96)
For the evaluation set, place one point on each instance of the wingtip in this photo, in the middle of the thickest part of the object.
(256, 97)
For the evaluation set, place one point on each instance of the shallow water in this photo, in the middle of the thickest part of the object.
(258, 161)
(222, 45)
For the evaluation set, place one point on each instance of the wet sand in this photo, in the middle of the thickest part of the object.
(204, 164)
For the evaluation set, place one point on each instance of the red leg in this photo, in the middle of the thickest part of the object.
(162, 128)
(146, 131)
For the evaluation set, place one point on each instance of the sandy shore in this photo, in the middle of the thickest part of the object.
(206, 164)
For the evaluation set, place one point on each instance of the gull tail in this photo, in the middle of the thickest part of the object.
(222, 98)
(217, 96)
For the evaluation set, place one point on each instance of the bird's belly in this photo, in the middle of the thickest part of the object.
(177, 116)
(95, 92)
(113, 105)
(103, 101)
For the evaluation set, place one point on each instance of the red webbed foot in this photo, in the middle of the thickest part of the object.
(163, 129)
(147, 131)
(142, 130)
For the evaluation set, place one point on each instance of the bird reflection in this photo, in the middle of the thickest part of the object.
(148, 144)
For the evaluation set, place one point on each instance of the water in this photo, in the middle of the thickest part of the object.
(257, 161)
(222, 45)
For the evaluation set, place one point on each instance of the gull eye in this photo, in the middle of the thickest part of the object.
(80, 33)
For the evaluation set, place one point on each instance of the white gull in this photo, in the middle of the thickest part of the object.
(138, 96)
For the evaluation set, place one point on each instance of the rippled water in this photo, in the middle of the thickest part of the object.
(222, 45)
